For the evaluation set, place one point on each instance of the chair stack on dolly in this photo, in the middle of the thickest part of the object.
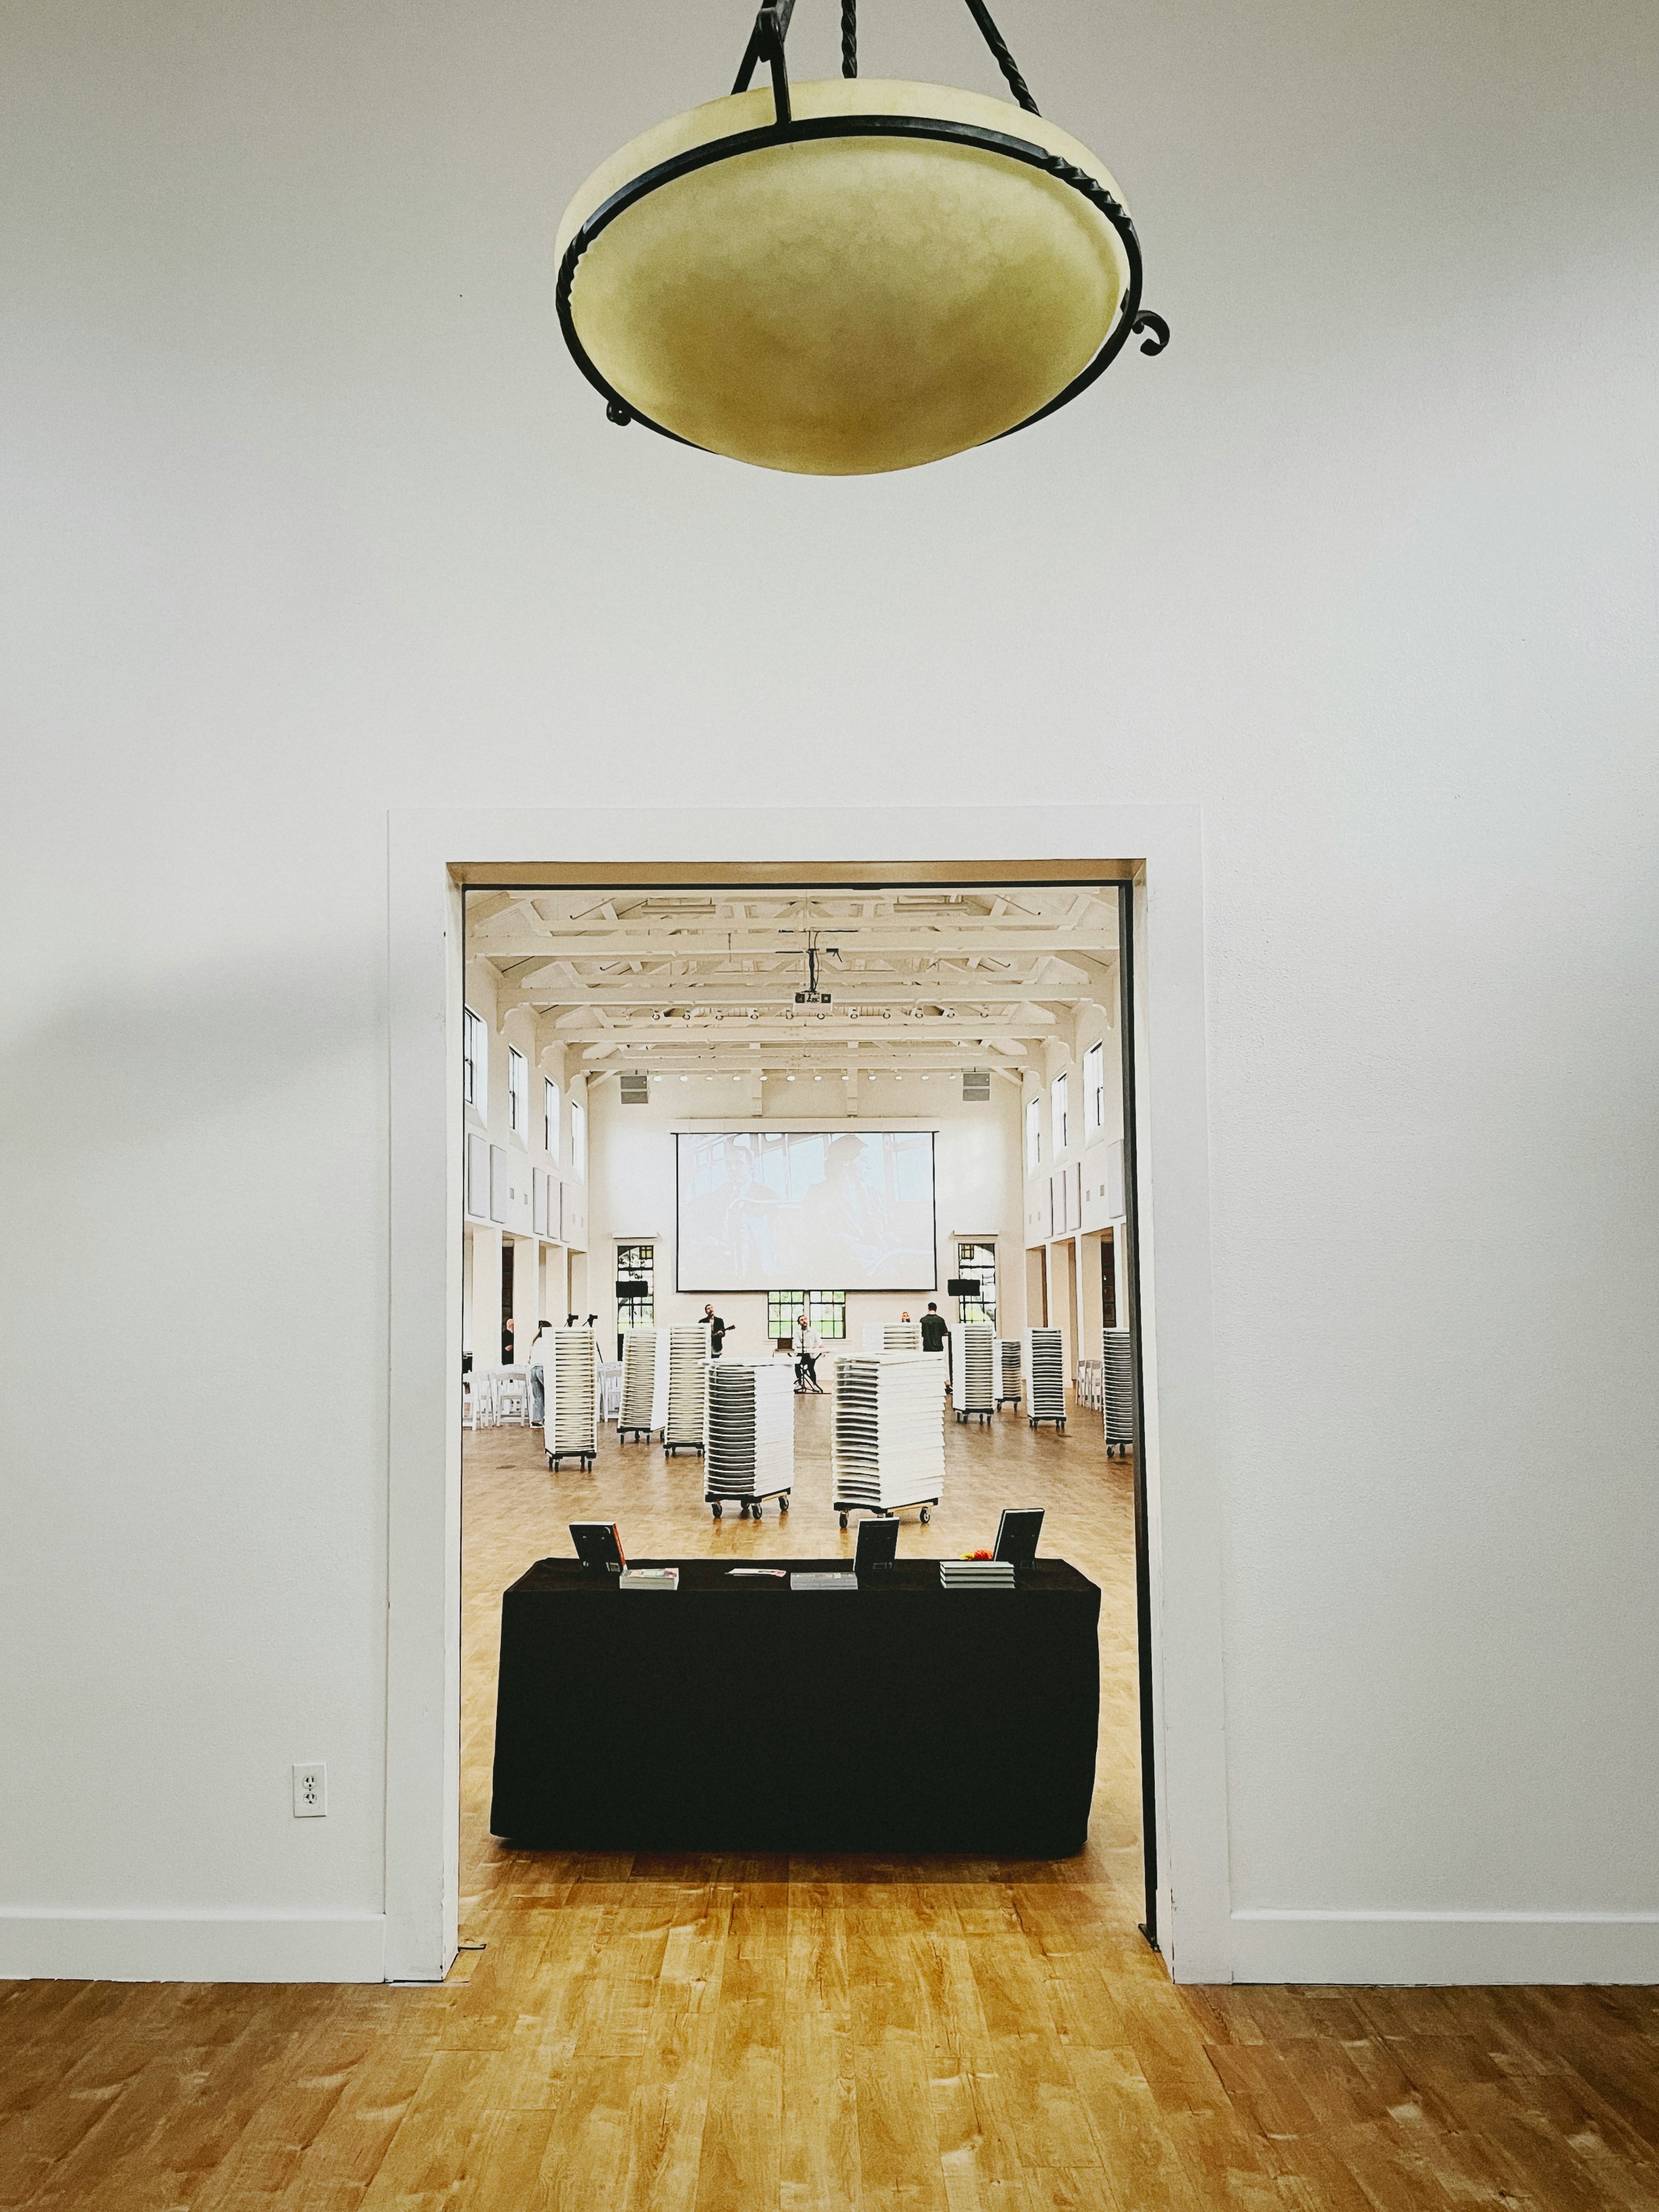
(644, 1407)
(1117, 1390)
(688, 1356)
(1045, 1377)
(570, 1379)
(892, 1336)
(887, 1428)
(1008, 1372)
(748, 1435)
(974, 1366)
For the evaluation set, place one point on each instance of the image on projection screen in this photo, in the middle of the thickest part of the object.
(797, 1209)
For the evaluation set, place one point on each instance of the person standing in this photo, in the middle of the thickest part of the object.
(936, 1337)
(716, 1328)
(808, 1345)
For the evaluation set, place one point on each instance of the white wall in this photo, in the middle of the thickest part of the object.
(309, 516)
(527, 1155)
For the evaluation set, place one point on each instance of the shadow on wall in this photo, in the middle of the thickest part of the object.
(213, 1046)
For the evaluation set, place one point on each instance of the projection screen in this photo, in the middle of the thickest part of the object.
(795, 1209)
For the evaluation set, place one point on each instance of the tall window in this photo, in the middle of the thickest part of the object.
(551, 1118)
(826, 1309)
(1062, 1098)
(579, 1141)
(1033, 1135)
(474, 1063)
(978, 1261)
(1094, 1088)
(518, 1090)
(637, 1263)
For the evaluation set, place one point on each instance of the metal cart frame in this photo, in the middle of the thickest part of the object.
(745, 1506)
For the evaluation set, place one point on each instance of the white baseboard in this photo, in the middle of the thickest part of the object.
(184, 1946)
(1452, 1948)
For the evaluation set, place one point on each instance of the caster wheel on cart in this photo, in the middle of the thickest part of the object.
(715, 1510)
(843, 1520)
(783, 1505)
(927, 1513)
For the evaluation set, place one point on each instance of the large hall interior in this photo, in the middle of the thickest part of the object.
(784, 1152)
(819, 1110)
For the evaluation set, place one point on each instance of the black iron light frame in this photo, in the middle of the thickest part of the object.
(766, 44)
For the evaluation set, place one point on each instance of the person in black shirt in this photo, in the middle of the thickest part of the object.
(936, 1337)
(716, 1328)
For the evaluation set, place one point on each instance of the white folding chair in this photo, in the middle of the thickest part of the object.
(512, 1397)
(483, 1398)
(610, 1389)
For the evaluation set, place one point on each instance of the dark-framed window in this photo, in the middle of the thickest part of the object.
(475, 1062)
(978, 1261)
(636, 1262)
(826, 1309)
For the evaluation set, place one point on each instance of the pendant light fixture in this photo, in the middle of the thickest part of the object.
(842, 277)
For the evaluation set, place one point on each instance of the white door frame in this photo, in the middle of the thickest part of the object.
(432, 854)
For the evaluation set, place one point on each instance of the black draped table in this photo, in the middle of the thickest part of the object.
(738, 1715)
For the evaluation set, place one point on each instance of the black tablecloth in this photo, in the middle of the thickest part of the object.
(739, 1715)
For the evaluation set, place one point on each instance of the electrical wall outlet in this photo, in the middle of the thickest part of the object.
(310, 1790)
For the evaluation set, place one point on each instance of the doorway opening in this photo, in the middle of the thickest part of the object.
(694, 1043)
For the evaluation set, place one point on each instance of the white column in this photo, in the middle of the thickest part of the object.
(1063, 1313)
(556, 1285)
(486, 1297)
(526, 1296)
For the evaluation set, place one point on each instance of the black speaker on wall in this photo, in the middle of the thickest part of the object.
(963, 1286)
(630, 1293)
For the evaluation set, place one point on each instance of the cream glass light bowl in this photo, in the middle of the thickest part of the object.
(817, 298)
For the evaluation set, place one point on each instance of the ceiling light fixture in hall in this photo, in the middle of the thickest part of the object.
(838, 278)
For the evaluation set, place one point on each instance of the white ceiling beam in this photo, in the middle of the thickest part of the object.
(576, 1028)
(734, 1003)
(513, 941)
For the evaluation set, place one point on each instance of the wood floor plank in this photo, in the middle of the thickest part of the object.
(819, 2155)
(669, 2106)
(899, 2164)
(740, 2164)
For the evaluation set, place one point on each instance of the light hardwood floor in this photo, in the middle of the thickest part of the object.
(731, 2035)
